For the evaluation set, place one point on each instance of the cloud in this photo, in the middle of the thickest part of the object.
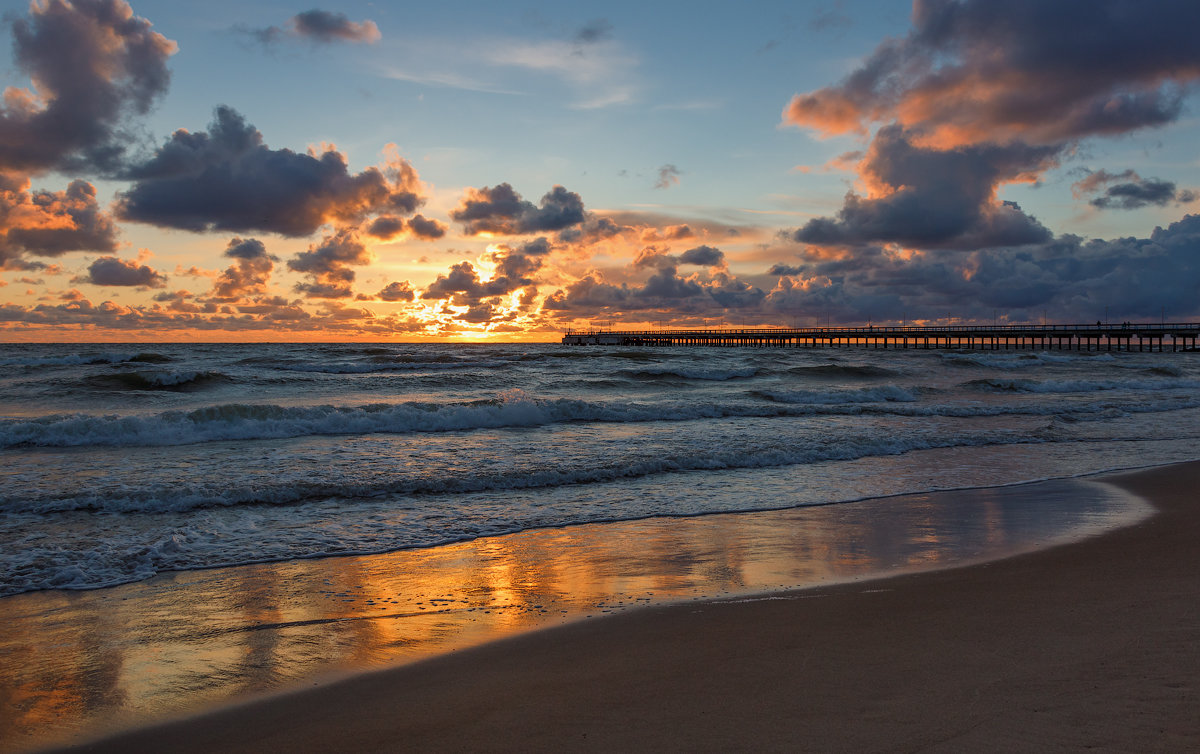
(250, 272)
(1067, 277)
(701, 256)
(388, 227)
(397, 291)
(502, 211)
(92, 64)
(490, 301)
(119, 272)
(318, 26)
(323, 26)
(1128, 190)
(934, 198)
(978, 96)
(599, 70)
(705, 256)
(425, 228)
(664, 291)
(51, 223)
(329, 265)
(784, 269)
(593, 31)
(227, 179)
(1041, 73)
(669, 233)
(668, 176)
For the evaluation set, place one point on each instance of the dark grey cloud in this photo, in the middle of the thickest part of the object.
(596, 30)
(979, 95)
(324, 26)
(1128, 190)
(386, 227)
(784, 269)
(932, 198)
(119, 272)
(329, 265)
(705, 256)
(1136, 194)
(592, 230)
(227, 179)
(425, 228)
(397, 291)
(1067, 278)
(664, 291)
(502, 211)
(93, 65)
(1042, 72)
(319, 26)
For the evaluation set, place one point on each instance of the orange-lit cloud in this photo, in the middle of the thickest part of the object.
(50, 223)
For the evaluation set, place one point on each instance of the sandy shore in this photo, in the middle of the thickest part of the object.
(1089, 645)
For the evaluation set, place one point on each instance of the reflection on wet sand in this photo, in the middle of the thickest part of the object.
(78, 663)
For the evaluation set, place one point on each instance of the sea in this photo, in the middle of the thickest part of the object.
(121, 462)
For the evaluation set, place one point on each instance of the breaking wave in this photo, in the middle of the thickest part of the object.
(859, 371)
(692, 373)
(80, 359)
(1078, 386)
(156, 380)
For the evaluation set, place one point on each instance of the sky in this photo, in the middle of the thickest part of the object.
(230, 171)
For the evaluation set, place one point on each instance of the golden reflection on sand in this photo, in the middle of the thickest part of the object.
(78, 663)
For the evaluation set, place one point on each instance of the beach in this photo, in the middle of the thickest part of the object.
(1091, 644)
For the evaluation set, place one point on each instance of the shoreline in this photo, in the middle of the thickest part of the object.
(1091, 643)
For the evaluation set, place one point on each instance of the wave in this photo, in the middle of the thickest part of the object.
(1023, 360)
(177, 381)
(245, 422)
(1164, 370)
(284, 490)
(80, 359)
(269, 421)
(860, 371)
(885, 393)
(1078, 386)
(694, 373)
(385, 366)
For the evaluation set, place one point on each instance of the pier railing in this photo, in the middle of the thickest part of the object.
(1124, 336)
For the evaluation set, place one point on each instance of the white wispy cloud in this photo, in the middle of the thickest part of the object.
(596, 73)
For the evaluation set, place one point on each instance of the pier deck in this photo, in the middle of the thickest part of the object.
(1098, 337)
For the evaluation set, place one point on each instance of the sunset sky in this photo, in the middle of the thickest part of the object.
(352, 170)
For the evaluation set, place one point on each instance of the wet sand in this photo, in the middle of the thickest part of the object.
(1094, 644)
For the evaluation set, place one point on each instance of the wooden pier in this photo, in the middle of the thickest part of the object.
(1097, 337)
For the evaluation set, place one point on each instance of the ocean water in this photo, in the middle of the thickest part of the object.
(121, 462)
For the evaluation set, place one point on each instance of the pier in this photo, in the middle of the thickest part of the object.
(1126, 336)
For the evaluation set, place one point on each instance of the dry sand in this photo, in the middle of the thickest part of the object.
(1089, 645)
